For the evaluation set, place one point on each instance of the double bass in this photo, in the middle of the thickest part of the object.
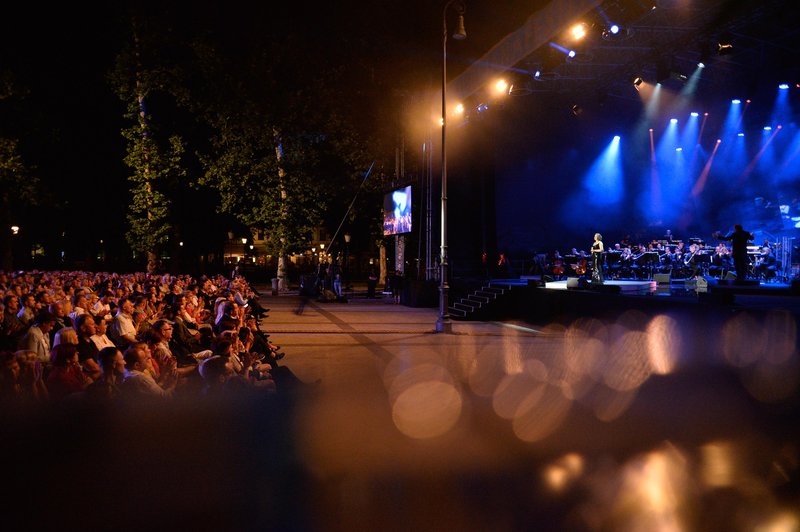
(582, 266)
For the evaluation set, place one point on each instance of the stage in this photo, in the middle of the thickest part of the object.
(624, 287)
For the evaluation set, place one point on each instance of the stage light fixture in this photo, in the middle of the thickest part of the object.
(724, 47)
(579, 31)
(576, 109)
(736, 101)
(673, 120)
(694, 115)
(637, 81)
(740, 134)
(783, 86)
(572, 53)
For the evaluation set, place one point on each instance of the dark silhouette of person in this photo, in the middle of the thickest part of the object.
(738, 239)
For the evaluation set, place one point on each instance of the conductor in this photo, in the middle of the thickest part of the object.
(739, 239)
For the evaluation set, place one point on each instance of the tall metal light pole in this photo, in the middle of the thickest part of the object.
(443, 324)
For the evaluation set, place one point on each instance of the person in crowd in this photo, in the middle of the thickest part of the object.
(138, 381)
(21, 378)
(12, 328)
(61, 318)
(100, 338)
(122, 330)
(87, 350)
(79, 305)
(28, 311)
(66, 376)
(67, 335)
(37, 339)
(107, 386)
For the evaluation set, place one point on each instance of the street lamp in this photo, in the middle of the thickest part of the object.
(347, 238)
(443, 324)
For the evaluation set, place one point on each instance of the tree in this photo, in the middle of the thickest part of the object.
(17, 189)
(153, 163)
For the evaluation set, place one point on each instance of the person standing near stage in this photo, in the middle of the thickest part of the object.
(597, 259)
(739, 239)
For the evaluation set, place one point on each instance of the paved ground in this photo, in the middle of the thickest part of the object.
(587, 426)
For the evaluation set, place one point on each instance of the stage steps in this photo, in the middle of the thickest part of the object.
(476, 303)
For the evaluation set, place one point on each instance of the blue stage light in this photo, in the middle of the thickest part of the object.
(614, 29)
(767, 128)
(571, 53)
(740, 134)
(695, 114)
(783, 86)
(736, 101)
(673, 121)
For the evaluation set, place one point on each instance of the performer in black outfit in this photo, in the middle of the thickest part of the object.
(739, 239)
(597, 259)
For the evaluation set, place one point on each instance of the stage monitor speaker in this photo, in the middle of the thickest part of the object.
(575, 283)
(662, 278)
(702, 282)
(730, 276)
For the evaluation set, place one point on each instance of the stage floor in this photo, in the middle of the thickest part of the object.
(626, 287)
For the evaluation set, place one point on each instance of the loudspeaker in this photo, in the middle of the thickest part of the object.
(702, 282)
(662, 278)
(730, 276)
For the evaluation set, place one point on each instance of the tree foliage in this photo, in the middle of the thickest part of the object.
(140, 74)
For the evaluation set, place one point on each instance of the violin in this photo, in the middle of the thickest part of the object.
(581, 267)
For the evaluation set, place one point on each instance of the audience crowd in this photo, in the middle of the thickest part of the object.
(87, 336)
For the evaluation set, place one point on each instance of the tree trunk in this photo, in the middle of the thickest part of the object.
(152, 263)
(382, 278)
(283, 280)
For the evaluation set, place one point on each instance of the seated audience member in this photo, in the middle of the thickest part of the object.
(58, 310)
(139, 382)
(112, 365)
(65, 336)
(12, 329)
(100, 339)
(79, 304)
(28, 310)
(160, 335)
(215, 371)
(21, 379)
(66, 376)
(122, 331)
(186, 347)
(37, 339)
(87, 349)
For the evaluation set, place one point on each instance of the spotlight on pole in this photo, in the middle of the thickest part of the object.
(637, 81)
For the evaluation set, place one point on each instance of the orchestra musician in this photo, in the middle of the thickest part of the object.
(626, 262)
(691, 261)
(720, 260)
(739, 239)
(766, 264)
(597, 259)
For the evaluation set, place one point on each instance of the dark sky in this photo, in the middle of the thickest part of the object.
(68, 121)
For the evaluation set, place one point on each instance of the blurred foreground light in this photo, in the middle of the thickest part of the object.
(427, 409)
(664, 344)
(718, 464)
(501, 86)
(460, 108)
(628, 365)
(541, 413)
(564, 472)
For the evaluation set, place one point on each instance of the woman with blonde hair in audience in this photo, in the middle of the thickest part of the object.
(67, 335)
